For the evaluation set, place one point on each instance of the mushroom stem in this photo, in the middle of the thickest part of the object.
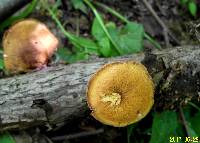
(114, 98)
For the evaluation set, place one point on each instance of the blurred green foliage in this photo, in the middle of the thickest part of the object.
(195, 123)
(129, 132)
(129, 38)
(169, 125)
(164, 126)
(6, 138)
(79, 5)
(1, 59)
(1, 63)
(108, 40)
(191, 5)
(125, 20)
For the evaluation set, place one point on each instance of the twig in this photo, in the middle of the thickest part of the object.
(166, 31)
(77, 25)
(78, 135)
(160, 8)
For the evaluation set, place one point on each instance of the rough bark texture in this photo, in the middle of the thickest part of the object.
(8, 7)
(57, 94)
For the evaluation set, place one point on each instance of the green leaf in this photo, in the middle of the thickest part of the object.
(125, 20)
(79, 4)
(183, 2)
(78, 57)
(101, 22)
(89, 45)
(105, 47)
(129, 38)
(63, 54)
(6, 138)
(1, 64)
(195, 123)
(132, 37)
(97, 31)
(180, 131)
(111, 25)
(192, 6)
(191, 131)
(164, 126)
(69, 57)
(192, 120)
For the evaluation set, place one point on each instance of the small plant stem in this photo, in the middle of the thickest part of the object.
(102, 25)
(129, 132)
(77, 26)
(193, 105)
(112, 11)
(66, 33)
(152, 41)
(123, 19)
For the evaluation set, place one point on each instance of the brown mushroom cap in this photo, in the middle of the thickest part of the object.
(120, 93)
(28, 44)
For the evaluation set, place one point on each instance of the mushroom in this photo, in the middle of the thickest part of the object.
(28, 45)
(120, 93)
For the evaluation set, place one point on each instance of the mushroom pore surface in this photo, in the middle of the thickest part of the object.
(120, 93)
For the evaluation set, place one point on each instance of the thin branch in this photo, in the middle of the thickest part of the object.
(166, 31)
(77, 25)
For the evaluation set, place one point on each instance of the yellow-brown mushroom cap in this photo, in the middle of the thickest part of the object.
(28, 44)
(120, 93)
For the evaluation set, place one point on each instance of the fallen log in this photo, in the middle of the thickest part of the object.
(57, 94)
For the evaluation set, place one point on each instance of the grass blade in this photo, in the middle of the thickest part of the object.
(102, 25)
(123, 19)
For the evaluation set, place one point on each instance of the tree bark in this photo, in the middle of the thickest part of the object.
(58, 93)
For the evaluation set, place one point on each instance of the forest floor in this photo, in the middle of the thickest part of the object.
(184, 31)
